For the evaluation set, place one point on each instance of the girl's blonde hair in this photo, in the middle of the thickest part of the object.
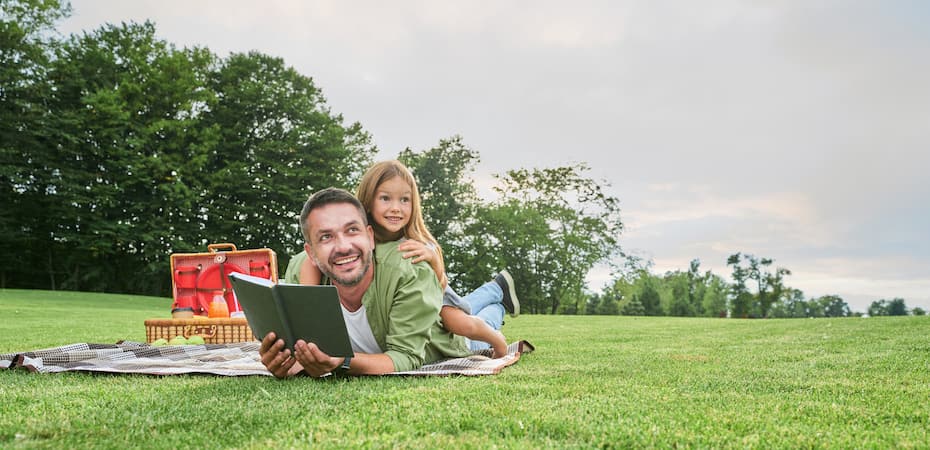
(368, 190)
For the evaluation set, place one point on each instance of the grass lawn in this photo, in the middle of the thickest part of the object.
(592, 382)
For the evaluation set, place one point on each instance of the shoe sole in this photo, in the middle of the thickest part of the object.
(513, 293)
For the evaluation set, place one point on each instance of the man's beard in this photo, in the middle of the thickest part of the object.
(348, 282)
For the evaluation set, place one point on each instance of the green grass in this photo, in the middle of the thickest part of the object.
(592, 382)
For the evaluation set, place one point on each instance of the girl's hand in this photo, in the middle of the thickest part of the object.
(417, 250)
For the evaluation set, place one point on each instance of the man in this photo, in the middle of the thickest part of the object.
(391, 309)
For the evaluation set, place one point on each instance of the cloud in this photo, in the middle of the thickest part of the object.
(672, 205)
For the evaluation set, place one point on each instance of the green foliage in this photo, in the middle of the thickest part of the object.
(447, 193)
(792, 305)
(514, 237)
(649, 297)
(609, 305)
(593, 382)
(693, 293)
(682, 292)
(633, 308)
(615, 299)
(895, 307)
(25, 51)
(679, 305)
(833, 306)
(714, 298)
(548, 228)
(278, 144)
(769, 285)
(126, 175)
(120, 149)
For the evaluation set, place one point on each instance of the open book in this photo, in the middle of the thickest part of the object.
(293, 311)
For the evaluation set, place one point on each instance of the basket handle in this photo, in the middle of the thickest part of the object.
(213, 247)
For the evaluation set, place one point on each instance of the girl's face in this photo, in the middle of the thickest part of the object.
(392, 205)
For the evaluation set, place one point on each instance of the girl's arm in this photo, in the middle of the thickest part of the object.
(422, 252)
(458, 322)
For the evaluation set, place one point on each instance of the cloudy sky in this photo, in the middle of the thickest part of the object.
(793, 130)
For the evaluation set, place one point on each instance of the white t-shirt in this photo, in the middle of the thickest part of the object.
(360, 335)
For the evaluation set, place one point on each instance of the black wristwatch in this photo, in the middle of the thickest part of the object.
(345, 365)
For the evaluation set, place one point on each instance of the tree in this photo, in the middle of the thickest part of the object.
(834, 306)
(649, 297)
(686, 290)
(278, 143)
(550, 226)
(131, 150)
(633, 308)
(757, 272)
(448, 194)
(113, 172)
(769, 285)
(741, 299)
(27, 46)
(897, 307)
(777, 288)
(815, 309)
(697, 285)
(714, 300)
(449, 201)
(608, 306)
(680, 302)
(591, 304)
(792, 304)
(878, 308)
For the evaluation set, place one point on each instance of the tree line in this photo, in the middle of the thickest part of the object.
(757, 291)
(119, 149)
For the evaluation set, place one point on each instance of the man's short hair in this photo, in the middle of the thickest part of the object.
(325, 197)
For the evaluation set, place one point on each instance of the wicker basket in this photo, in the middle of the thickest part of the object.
(213, 331)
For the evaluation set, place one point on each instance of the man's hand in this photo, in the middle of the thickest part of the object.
(276, 358)
(314, 361)
(417, 250)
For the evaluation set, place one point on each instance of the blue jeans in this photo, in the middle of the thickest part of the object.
(487, 303)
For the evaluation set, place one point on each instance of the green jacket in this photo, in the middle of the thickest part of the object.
(402, 306)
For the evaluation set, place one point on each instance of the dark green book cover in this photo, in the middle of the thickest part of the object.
(293, 311)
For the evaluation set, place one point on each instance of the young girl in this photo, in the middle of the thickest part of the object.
(389, 193)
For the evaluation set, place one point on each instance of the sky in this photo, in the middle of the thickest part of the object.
(791, 130)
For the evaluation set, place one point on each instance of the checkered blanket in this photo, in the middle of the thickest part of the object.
(218, 359)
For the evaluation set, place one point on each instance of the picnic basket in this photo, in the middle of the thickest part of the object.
(213, 331)
(196, 278)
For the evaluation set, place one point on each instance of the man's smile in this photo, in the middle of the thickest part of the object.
(341, 261)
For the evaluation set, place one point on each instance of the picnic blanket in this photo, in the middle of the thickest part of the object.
(236, 359)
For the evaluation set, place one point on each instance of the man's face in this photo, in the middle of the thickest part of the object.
(340, 243)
